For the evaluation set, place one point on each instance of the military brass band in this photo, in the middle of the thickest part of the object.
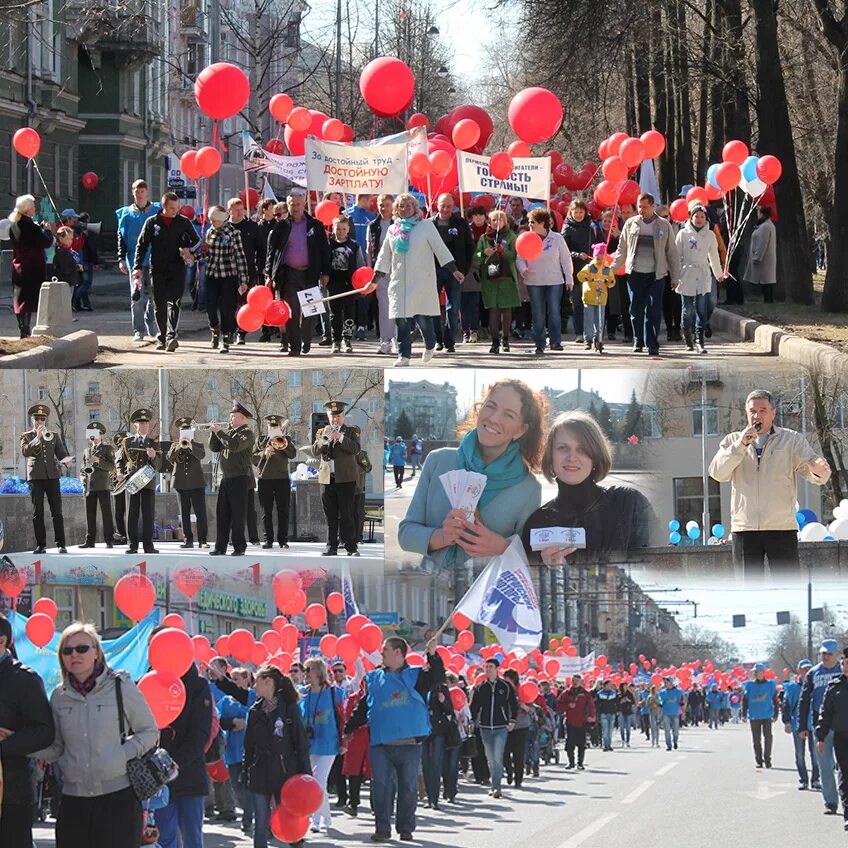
(119, 479)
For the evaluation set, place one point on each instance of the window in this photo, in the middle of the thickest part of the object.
(93, 414)
(42, 393)
(64, 599)
(296, 412)
(689, 500)
(212, 412)
(93, 389)
(710, 413)
(651, 423)
(212, 384)
(295, 379)
(317, 378)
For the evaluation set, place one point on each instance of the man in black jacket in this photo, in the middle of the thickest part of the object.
(186, 740)
(494, 707)
(26, 726)
(170, 237)
(833, 717)
(249, 232)
(297, 258)
(456, 234)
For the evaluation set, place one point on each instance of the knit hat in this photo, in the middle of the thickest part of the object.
(599, 249)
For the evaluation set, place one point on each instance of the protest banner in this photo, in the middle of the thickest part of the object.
(530, 178)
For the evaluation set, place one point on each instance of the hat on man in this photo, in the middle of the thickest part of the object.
(684, 190)
(274, 420)
(760, 666)
(183, 423)
(139, 416)
(40, 410)
(805, 664)
(829, 646)
(242, 410)
(335, 407)
(96, 425)
(398, 438)
(69, 213)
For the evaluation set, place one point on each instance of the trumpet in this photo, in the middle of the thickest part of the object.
(47, 436)
(325, 433)
(209, 424)
(185, 444)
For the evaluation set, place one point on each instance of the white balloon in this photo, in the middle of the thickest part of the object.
(844, 503)
(691, 524)
(5, 228)
(754, 188)
(301, 466)
(813, 532)
(839, 529)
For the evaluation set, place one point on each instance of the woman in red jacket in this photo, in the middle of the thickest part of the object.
(578, 708)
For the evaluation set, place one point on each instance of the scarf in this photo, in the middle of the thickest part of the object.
(89, 683)
(400, 232)
(270, 704)
(504, 472)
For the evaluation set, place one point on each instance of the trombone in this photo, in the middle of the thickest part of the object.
(279, 443)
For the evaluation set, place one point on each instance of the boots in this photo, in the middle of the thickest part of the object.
(23, 324)
(687, 335)
(700, 342)
(216, 339)
(496, 343)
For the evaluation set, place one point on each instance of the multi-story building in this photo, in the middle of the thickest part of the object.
(430, 409)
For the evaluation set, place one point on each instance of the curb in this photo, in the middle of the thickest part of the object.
(72, 351)
(817, 357)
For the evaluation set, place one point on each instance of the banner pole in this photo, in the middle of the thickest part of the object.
(459, 176)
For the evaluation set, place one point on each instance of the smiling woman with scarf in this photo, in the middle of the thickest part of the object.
(502, 438)
(407, 255)
(615, 518)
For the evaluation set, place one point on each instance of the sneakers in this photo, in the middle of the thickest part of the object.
(385, 348)
(496, 793)
(138, 337)
(505, 346)
(472, 338)
(347, 347)
(401, 362)
(336, 348)
(428, 354)
(325, 342)
(172, 345)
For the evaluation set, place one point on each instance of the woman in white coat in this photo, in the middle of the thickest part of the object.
(407, 256)
(699, 260)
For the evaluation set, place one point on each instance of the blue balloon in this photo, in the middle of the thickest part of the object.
(828, 539)
(749, 168)
(800, 518)
(673, 525)
(711, 174)
(809, 516)
(718, 531)
(674, 538)
(694, 533)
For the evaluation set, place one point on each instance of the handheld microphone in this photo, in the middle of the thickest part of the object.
(758, 426)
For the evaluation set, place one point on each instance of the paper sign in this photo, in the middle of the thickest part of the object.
(557, 537)
(310, 302)
(529, 178)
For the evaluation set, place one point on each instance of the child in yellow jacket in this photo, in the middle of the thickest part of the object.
(597, 278)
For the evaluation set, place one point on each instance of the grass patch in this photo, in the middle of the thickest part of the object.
(10, 346)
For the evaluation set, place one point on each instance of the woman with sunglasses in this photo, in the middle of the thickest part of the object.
(98, 808)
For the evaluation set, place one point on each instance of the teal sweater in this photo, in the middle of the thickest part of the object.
(504, 514)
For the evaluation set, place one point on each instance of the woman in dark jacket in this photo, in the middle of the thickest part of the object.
(516, 740)
(29, 263)
(442, 723)
(275, 746)
(615, 518)
(626, 706)
(579, 236)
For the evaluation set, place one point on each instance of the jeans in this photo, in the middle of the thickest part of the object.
(261, 819)
(801, 746)
(655, 730)
(414, 462)
(450, 771)
(404, 333)
(577, 309)
(646, 307)
(395, 767)
(827, 765)
(595, 316)
(432, 763)
(607, 725)
(712, 299)
(180, 823)
(494, 742)
(86, 279)
(453, 294)
(624, 728)
(694, 313)
(470, 310)
(546, 298)
(671, 725)
(142, 309)
(243, 795)
(221, 293)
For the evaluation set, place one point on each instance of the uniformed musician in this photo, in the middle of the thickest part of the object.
(271, 457)
(120, 498)
(337, 445)
(137, 451)
(98, 468)
(235, 446)
(189, 481)
(45, 453)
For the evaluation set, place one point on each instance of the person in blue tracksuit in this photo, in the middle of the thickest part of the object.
(671, 698)
(812, 696)
(715, 698)
(760, 706)
(789, 716)
(607, 708)
(397, 458)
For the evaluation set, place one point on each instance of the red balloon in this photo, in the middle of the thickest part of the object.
(606, 193)
(441, 163)
(458, 698)
(280, 107)
(603, 150)
(89, 180)
(461, 621)
(315, 616)
(679, 210)
(654, 143)
(222, 646)
(249, 319)
(347, 133)
(188, 165)
(259, 654)
(279, 622)
(501, 166)
(301, 795)
(207, 161)
(370, 637)
(40, 629)
(735, 151)
(571, 651)
(218, 771)
(271, 640)
(698, 194)
(469, 112)
(174, 620)
(202, 649)
(277, 313)
(552, 667)
(601, 661)
(333, 129)
(614, 169)
(528, 692)
(362, 277)
(712, 192)
(135, 596)
(46, 606)
(387, 85)
(335, 603)
(241, 644)
(629, 192)
(329, 644)
(221, 90)
(171, 650)
(325, 211)
(419, 165)
(187, 212)
(251, 201)
(286, 827)
(165, 695)
(27, 142)
(769, 169)
(728, 175)
(288, 638)
(299, 119)
(529, 246)
(189, 579)
(418, 120)
(438, 184)
(535, 114)
(519, 150)
(562, 174)
(614, 142)
(347, 648)
(465, 134)
(631, 152)
(465, 640)
(259, 298)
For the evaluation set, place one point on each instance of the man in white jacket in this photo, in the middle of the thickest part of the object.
(762, 463)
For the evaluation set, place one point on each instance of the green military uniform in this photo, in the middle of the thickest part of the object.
(98, 487)
(364, 469)
(132, 457)
(235, 449)
(338, 474)
(120, 499)
(274, 484)
(190, 483)
(43, 473)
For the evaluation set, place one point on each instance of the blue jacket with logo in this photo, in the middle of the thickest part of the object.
(715, 699)
(130, 221)
(321, 716)
(760, 701)
(397, 454)
(670, 700)
(812, 693)
(791, 702)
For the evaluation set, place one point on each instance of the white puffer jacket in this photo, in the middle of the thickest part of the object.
(698, 251)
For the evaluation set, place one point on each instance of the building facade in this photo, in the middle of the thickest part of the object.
(429, 409)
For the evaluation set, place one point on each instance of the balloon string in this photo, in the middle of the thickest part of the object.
(46, 190)
(217, 138)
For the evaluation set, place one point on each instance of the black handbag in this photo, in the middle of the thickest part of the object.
(469, 747)
(151, 771)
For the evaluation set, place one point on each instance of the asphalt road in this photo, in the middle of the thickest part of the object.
(706, 793)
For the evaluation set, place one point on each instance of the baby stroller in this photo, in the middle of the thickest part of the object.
(548, 750)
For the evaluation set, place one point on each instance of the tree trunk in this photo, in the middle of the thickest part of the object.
(794, 250)
(684, 103)
(717, 57)
(643, 92)
(662, 122)
(703, 102)
(737, 119)
(629, 96)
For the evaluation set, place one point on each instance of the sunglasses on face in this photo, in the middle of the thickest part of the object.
(79, 649)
